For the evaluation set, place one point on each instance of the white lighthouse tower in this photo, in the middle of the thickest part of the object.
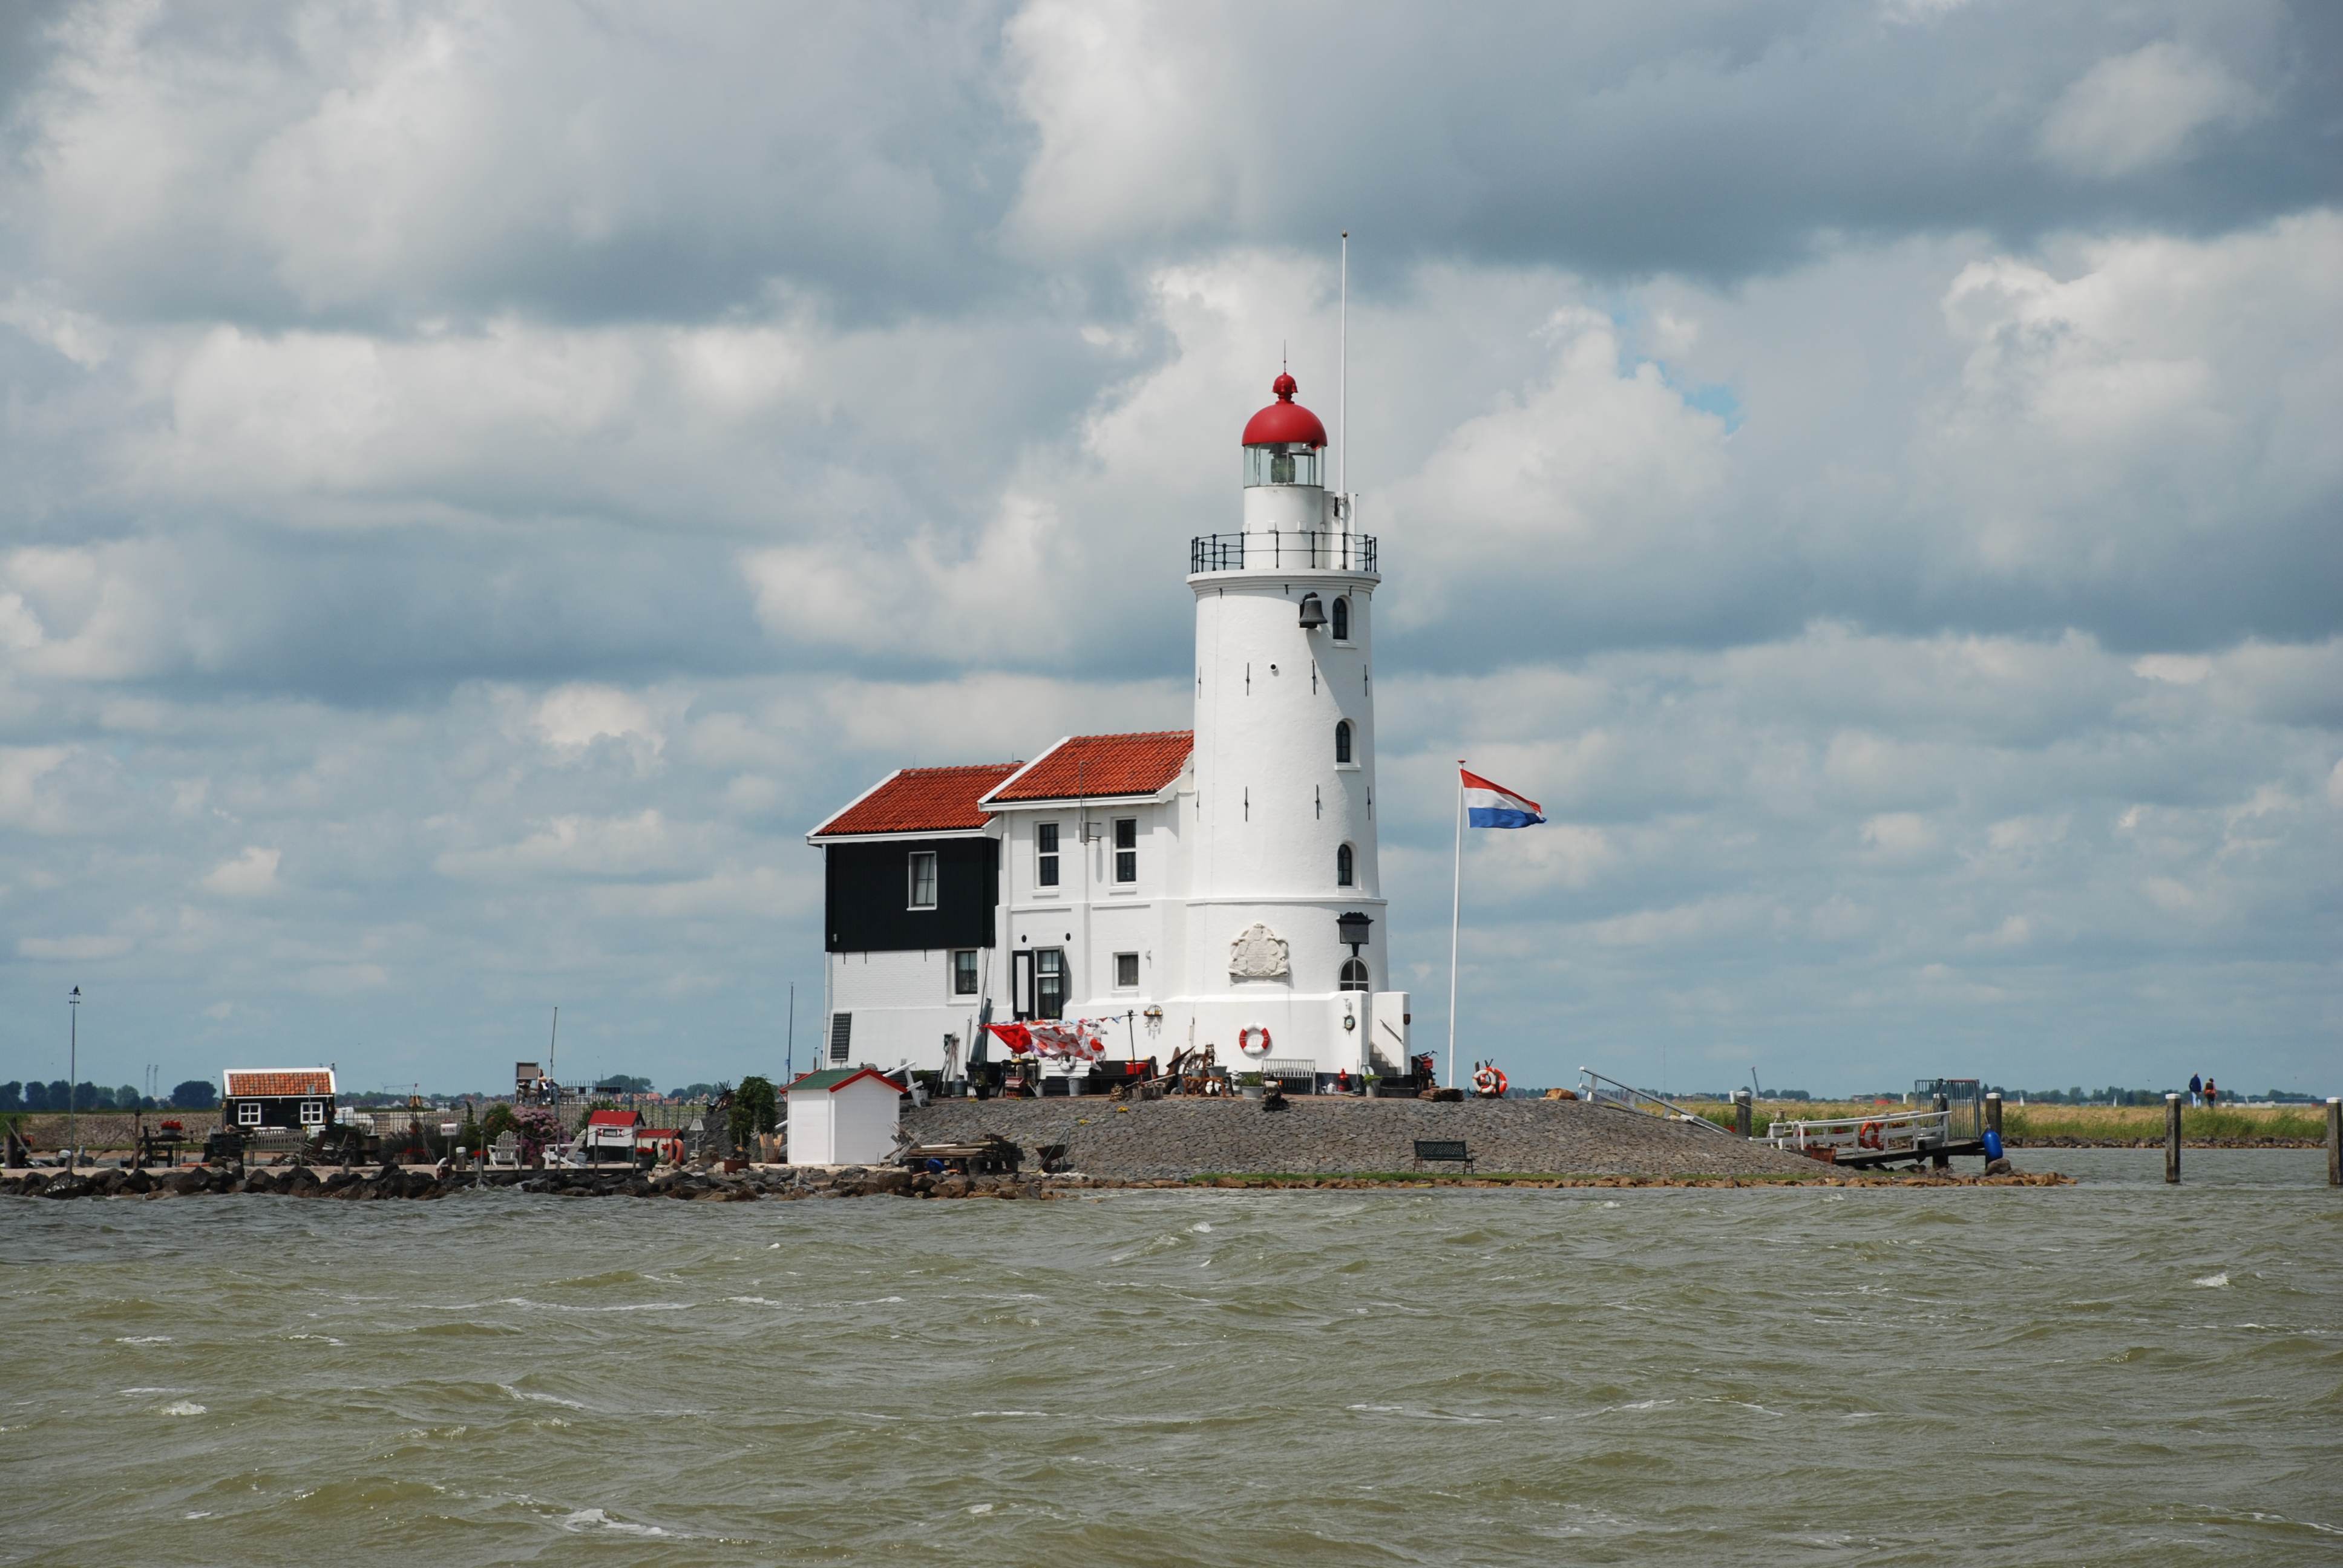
(1286, 940)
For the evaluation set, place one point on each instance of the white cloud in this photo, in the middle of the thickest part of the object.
(250, 875)
(2138, 110)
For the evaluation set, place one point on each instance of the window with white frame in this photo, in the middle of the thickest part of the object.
(1126, 971)
(1126, 849)
(1354, 975)
(1345, 867)
(923, 879)
(313, 1113)
(1342, 620)
(964, 971)
(1045, 854)
(1342, 743)
(248, 1113)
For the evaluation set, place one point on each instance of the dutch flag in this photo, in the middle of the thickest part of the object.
(1487, 805)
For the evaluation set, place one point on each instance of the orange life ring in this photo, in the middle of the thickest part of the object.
(1868, 1136)
(1244, 1040)
(1491, 1083)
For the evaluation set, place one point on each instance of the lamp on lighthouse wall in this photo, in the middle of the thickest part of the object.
(1351, 928)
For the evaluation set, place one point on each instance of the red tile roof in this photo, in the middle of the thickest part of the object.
(612, 1119)
(1085, 767)
(922, 800)
(293, 1080)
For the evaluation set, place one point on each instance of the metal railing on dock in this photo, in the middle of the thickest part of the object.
(1889, 1132)
(1601, 1091)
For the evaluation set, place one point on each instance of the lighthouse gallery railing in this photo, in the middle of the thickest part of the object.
(1301, 549)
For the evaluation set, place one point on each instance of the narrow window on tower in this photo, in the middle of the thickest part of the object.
(1342, 743)
(1126, 849)
(1341, 619)
(923, 879)
(1345, 867)
(1045, 854)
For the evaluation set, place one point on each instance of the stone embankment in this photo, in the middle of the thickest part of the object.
(786, 1184)
(1331, 1135)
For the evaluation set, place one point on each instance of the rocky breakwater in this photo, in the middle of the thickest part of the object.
(783, 1183)
(1331, 1135)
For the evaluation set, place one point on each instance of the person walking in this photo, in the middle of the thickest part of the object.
(2212, 1095)
(2195, 1087)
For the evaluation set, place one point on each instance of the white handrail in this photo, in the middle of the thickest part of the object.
(1601, 1091)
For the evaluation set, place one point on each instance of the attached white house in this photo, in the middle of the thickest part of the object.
(1218, 885)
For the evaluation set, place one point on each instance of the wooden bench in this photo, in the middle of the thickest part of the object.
(1451, 1151)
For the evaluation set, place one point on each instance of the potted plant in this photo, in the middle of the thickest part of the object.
(1250, 1085)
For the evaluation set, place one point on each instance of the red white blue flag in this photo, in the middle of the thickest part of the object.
(1488, 805)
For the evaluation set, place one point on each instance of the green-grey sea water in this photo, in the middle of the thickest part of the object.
(2115, 1372)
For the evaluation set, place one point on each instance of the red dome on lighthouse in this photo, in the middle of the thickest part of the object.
(1285, 422)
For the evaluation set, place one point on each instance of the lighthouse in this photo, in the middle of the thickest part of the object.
(1217, 886)
(1286, 932)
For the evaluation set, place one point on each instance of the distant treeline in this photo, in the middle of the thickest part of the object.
(195, 1094)
(2076, 1095)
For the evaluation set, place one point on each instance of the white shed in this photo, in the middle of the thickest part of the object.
(843, 1116)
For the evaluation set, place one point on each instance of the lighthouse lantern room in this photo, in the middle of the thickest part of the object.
(1214, 887)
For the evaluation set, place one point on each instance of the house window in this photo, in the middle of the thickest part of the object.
(1342, 742)
(1341, 619)
(1354, 975)
(1045, 855)
(1126, 849)
(1126, 971)
(964, 971)
(923, 879)
(313, 1113)
(1345, 867)
(1049, 983)
(841, 1034)
(248, 1113)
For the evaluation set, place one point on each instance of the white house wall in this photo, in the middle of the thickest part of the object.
(902, 1007)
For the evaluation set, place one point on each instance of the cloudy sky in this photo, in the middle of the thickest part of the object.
(483, 479)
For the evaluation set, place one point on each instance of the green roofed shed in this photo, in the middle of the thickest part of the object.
(834, 1078)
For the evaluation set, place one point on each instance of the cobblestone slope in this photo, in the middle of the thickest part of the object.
(1331, 1136)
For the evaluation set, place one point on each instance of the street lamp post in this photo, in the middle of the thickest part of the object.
(72, 1080)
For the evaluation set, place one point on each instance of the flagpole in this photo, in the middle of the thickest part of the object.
(1456, 922)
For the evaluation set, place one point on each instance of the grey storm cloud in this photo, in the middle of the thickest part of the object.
(485, 481)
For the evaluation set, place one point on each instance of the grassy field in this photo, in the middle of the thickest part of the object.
(2024, 1124)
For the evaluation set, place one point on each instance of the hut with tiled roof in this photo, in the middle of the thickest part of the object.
(276, 1099)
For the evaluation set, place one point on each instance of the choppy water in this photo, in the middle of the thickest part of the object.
(2115, 1372)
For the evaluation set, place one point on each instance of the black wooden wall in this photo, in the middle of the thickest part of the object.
(868, 887)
